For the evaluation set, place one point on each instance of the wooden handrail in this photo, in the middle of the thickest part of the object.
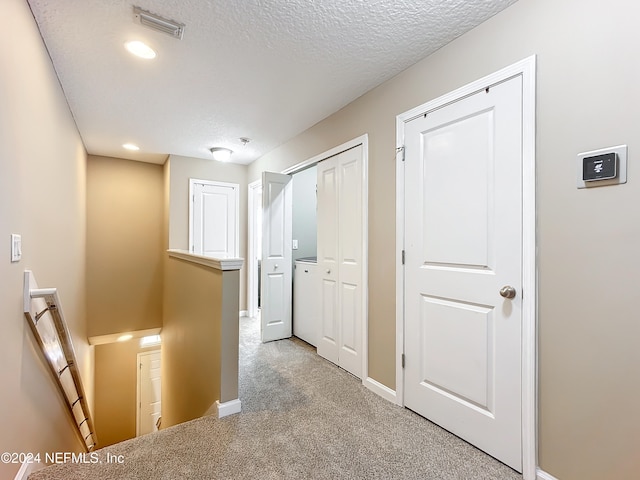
(44, 315)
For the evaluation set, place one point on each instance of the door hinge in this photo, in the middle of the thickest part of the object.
(401, 150)
(403, 254)
(403, 360)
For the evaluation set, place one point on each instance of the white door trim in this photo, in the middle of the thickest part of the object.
(364, 141)
(236, 189)
(138, 384)
(252, 254)
(527, 69)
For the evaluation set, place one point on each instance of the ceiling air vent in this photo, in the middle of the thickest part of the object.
(156, 22)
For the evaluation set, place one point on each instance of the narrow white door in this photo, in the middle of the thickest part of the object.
(276, 266)
(463, 241)
(340, 259)
(149, 390)
(214, 218)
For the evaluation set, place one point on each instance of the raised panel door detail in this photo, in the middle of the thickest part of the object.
(457, 171)
(457, 350)
(350, 212)
(215, 207)
(275, 289)
(349, 318)
(277, 220)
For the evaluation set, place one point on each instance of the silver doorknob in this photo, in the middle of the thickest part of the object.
(275, 267)
(508, 291)
(328, 272)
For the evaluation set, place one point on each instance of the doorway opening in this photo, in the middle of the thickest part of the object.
(149, 392)
(255, 261)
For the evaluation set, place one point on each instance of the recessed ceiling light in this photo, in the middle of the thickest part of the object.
(221, 154)
(131, 146)
(140, 49)
(150, 341)
(124, 338)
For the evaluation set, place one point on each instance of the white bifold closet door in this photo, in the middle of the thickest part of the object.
(276, 256)
(340, 259)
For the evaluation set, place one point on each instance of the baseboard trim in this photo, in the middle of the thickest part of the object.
(542, 475)
(228, 408)
(244, 313)
(27, 469)
(380, 389)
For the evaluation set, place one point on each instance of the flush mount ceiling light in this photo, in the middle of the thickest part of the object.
(221, 154)
(131, 146)
(140, 49)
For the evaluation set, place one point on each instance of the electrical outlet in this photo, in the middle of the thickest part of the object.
(16, 247)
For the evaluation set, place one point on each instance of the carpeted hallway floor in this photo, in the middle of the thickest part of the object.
(302, 418)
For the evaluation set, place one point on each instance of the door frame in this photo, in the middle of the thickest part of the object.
(236, 193)
(254, 192)
(527, 69)
(253, 186)
(139, 384)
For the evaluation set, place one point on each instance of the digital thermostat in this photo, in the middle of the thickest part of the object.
(600, 167)
(607, 166)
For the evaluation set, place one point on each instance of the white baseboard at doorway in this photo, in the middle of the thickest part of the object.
(380, 389)
(542, 475)
(228, 408)
(244, 313)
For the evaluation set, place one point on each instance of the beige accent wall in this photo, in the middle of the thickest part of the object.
(116, 384)
(181, 169)
(587, 97)
(42, 197)
(125, 226)
(191, 341)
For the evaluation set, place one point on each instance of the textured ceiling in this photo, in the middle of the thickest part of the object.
(263, 69)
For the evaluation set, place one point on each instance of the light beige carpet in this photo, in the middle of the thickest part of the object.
(302, 418)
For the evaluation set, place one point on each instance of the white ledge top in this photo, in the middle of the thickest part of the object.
(219, 263)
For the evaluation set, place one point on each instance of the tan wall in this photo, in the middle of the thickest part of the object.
(190, 341)
(587, 94)
(125, 226)
(116, 384)
(181, 169)
(42, 197)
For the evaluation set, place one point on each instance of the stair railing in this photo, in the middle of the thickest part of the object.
(43, 311)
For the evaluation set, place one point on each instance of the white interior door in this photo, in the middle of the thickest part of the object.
(340, 258)
(463, 241)
(276, 266)
(149, 391)
(214, 218)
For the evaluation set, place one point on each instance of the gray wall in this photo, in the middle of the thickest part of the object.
(587, 98)
(305, 202)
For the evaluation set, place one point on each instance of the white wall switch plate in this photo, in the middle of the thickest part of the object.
(294, 244)
(16, 247)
